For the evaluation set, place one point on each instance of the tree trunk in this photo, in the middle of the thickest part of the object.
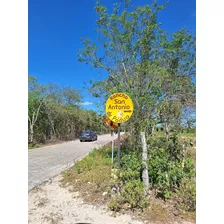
(119, 148)
(145, 176)
(31, 133)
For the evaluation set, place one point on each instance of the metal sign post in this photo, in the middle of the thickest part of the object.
(119, 146)
(112, 134)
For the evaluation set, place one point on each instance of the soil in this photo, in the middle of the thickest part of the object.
(52, 204)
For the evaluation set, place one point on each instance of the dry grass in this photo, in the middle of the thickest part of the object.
(91, 176)
(190, 139)
(165, 212)
(157, 213)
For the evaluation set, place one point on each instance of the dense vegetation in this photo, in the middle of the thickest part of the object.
(54, 113)
(157, 70)
(172, 182)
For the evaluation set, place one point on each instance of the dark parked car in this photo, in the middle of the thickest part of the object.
(87, 136)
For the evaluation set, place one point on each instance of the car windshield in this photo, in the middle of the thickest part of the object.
(85, 133)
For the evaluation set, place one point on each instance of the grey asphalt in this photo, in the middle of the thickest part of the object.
(47, 162)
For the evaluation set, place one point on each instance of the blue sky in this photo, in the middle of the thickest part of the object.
(55, 28)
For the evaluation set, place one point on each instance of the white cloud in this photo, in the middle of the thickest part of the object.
(86, 103)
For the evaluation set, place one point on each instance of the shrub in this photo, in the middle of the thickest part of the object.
(131, 189)
(174, 148)
(116, 203)
(186, 195)
(130, 167)
(189, 167)
(164, 173)
(133, 194)
(33, 146)
(158, 142)
(165, 164)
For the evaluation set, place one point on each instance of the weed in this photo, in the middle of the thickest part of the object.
(91, 176)
(33, 146)
(116, 203)
(186, 195)
(133, 194)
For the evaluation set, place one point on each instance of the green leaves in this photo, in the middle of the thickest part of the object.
(130, 167)
(140, 59)
(186, 195)
(54, 112)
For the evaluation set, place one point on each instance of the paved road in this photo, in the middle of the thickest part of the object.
(48, 161)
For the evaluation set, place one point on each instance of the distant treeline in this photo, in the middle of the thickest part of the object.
(54, 113)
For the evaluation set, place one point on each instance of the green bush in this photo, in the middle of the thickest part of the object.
(33, 146)
(164, 173)
(131, 189)
(158, 142)
(133, 194)
(165, 165)
(186, 195)
(189, 167)
(174, 148)
(130, 167)
(116, 203)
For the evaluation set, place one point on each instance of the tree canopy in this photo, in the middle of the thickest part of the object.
(155, 68)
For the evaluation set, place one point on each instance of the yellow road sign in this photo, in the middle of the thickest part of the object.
(119, 107)
(111, 124)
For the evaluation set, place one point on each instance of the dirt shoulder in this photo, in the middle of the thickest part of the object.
(52, 204)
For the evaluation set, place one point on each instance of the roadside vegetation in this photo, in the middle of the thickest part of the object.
(172, 192)
(55, 114)
(157, 70)
(33, 146)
